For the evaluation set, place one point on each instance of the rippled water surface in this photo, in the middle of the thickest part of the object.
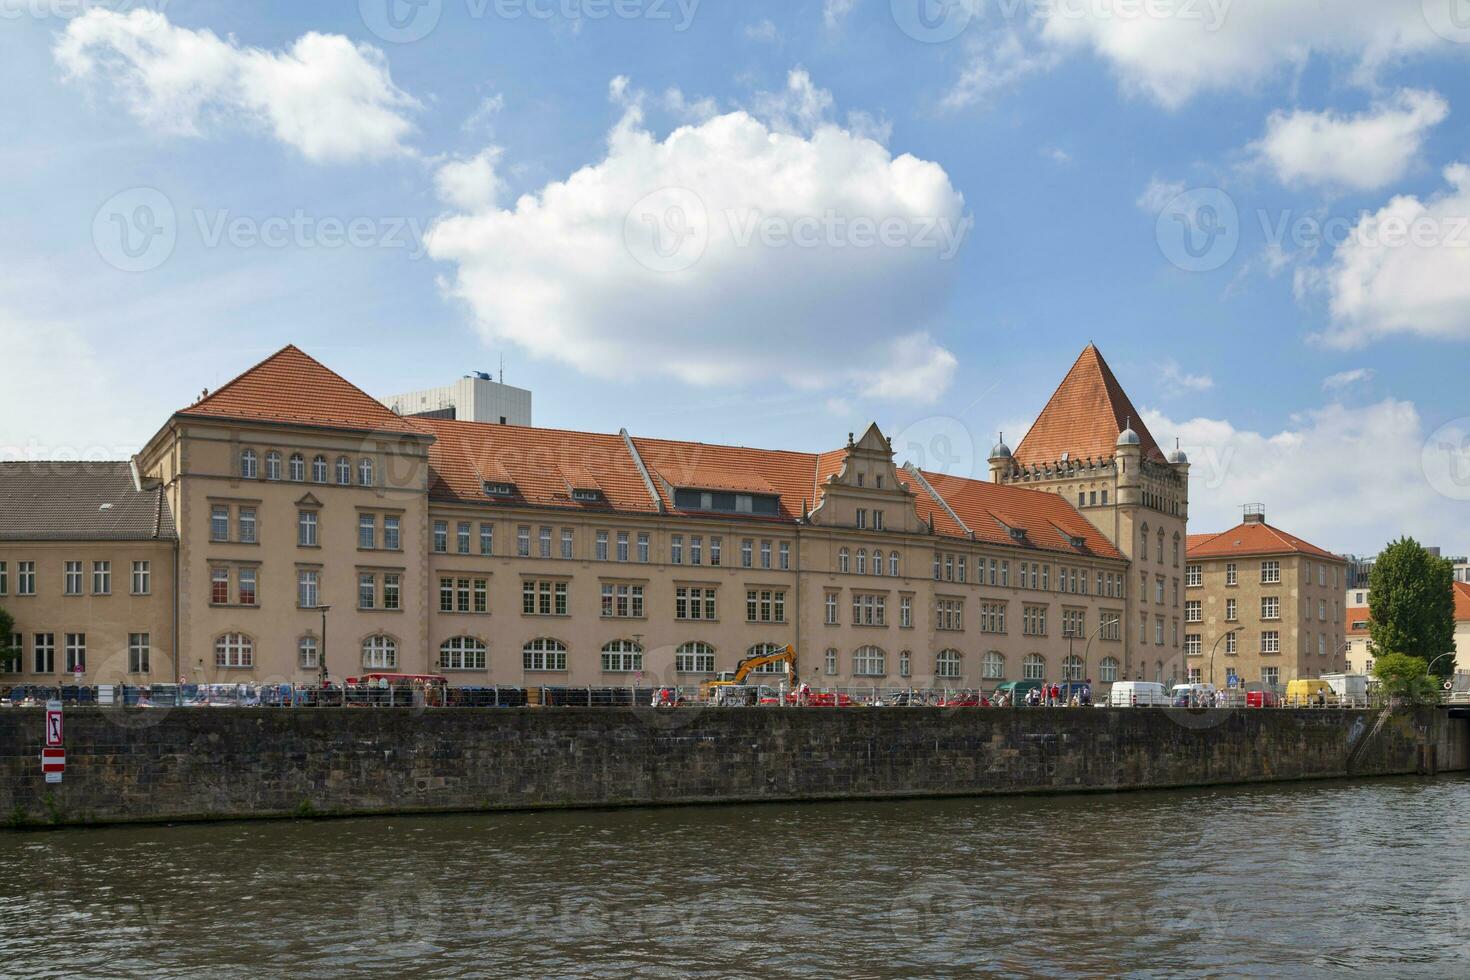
(1298, 880)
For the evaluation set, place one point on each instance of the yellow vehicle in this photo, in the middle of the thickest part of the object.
(1309, 693)
(737, 677)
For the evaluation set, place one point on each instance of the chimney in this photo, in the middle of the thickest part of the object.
(1255, 513)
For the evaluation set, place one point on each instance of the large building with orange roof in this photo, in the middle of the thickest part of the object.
(316, 531)
(1263, 605)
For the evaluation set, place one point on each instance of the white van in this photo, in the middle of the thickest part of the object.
(1200, 695)
(1138, 694)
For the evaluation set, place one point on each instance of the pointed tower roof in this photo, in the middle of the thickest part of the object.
(1085, 416)
(292, 388)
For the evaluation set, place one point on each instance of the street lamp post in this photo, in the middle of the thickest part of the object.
(321, 657)
(1216, 646)
(1087, 648)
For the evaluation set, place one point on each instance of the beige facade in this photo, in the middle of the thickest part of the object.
(1268, 615)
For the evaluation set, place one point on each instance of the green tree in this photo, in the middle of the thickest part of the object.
(1412, 605)
(1405, 678)
(7, 627)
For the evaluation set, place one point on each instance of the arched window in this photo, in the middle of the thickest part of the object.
(765, 650)
(1072, 668)
(893, 563)
(1107, 671)
(862, 562)
(462, 653)
(380, 652)
(621, 657)
(319, 469)
(877, 563)
(365, 472)
(694, 658)
(234, 650)
(868, 661)
(344, 470)
(297, 468)
(842, 560)
(308, 654)
(994, 668)
(272, 465)
(248, 469)
(544, 653)
(1034, 667)
(947, 664)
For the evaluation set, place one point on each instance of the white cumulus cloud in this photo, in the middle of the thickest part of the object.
(1362, 152)
(1348, 379)
(1348, 479)
(994, 65)
(1172, 50)
(1404, 269)
(472, 183)
(732, 251)
(328, 98)
(1178, 381)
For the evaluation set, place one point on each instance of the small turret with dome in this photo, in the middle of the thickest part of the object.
(1128, 437)
(1178, 457)
(1001, 460)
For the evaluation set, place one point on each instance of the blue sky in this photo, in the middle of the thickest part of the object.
(1063, 147)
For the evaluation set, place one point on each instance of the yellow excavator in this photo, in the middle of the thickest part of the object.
(736, 678)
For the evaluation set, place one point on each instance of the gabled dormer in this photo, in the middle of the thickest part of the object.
(860, 487)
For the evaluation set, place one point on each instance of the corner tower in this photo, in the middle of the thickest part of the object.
(1091, 446)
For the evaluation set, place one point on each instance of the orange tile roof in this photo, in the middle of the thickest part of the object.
(701, 466)
(544, 465)
(1253, 539)
(292, 388)
(1358, 614)
(988, 509)
(1084, 417)
(1462, 602)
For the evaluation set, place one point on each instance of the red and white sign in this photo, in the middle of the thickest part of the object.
(53, 760)
(53, 723)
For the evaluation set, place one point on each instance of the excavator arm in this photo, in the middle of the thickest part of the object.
(785, 655)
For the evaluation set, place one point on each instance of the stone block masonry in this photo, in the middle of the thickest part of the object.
(216, 764)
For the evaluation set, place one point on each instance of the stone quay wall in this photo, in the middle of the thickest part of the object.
(142, 765)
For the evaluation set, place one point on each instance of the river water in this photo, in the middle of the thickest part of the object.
(1290, 880)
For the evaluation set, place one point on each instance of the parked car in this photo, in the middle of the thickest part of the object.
(1261, 698)
(965, 699)
(1138, 694)
(1193, 695)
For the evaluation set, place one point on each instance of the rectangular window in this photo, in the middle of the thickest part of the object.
(392, 537)
(543, 542)
(1194, 576)
(1270, 572)
(878, 526)
(1231, 577)
(765, 606)
(1005, 574)
(4, 581)
(1230, 611)
(392, 591)
(1033, 620)
(76, 651)
(829, 603)
(544, 598)
(747, 547)
(307, 589)
(765, 554)
(906, 611)
(102, 578)
(482, 595)
(247, 592)
(138, 648)
(72, 578)
(306, 528)
(869, 610)
(142, 583)
(992, 617)
(1194, 611)
(600, 546)
(462, 595)
(714, 550)
(523, 541)
(949, 614)
(694, 663)
(462, 537)
(694, 603)
(219, 586)
(246, 521)
(676, 549)
(219, 523)
(1270, 641)
(862, 518)
(1193, 644)
(568, 544)
(1270, 607)
(1074, 622)
(621, 601)
(44, 653)
(785, 556)
(622, 552)
(487, 538)
(367, 590)
(643, 547)
(1158, 630)
(446, 595)
(367, 531)
(696, 550)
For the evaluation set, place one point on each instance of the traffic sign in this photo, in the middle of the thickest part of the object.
(53, 764)
(53, 723)
(78, 671)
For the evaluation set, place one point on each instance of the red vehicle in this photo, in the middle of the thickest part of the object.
(1260, 699)
(966, 699)
(814, 700)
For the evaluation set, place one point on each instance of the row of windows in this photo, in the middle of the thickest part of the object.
(74, 578)
(1270, 574)
(296, 468)
(242, 520)
(1033, 575)
(1270, 643)
(74, 650)
(375, 590)
(872, 661)
(1270, 609)
(1143, 543)
(545, 541)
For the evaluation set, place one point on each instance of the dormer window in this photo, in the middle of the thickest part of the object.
(499, 489)
(1077, 541)
(1017, 533)
(587, 496)
(726, 502)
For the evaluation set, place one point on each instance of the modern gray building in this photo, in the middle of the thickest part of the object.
(477, 397)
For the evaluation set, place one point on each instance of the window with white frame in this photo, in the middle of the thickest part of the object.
(829, 604)
(139, 648)
(621, 600)
(766, 650)
(1074, 622)
(1194, 576)
(1270, 641)
(272, 465)
(1193, 644)
(43, 650)
(76, 651)
(643, 547)
(862, 562)
(245, 519)
(71, 582)
(306, 528)
(308, 653)
(830, 665)
(142, 583)
(1194, 611)
(296, 468)
(893, 563)
(694, 658)
(234, 651)
(1231, 611)
(1072, 669)
(1112, 625)
(947, 664)
(949, 614)
(248, 468)
(1270, 607)
(992, 617)
(1231, 575)
(568, 544)
(380, 652)
(1107, 671)
(747, 552)
(868, 661)
(462, 653)
(993, 666)
(869, 610)
(306, 588)
(1270, 572)
(1034, 667)
(906, 611)
(344, 471)
(365, 472)
(544, 654)
(622, 552)
(905, 658)
(319, 469)
(694, 602)
(842, 560)
(1230, 646)
(542, 598)
(765, 606)
(102, 578)
(367, 531)
(622, 657)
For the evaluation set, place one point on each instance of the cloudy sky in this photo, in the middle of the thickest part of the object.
(768, 222)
